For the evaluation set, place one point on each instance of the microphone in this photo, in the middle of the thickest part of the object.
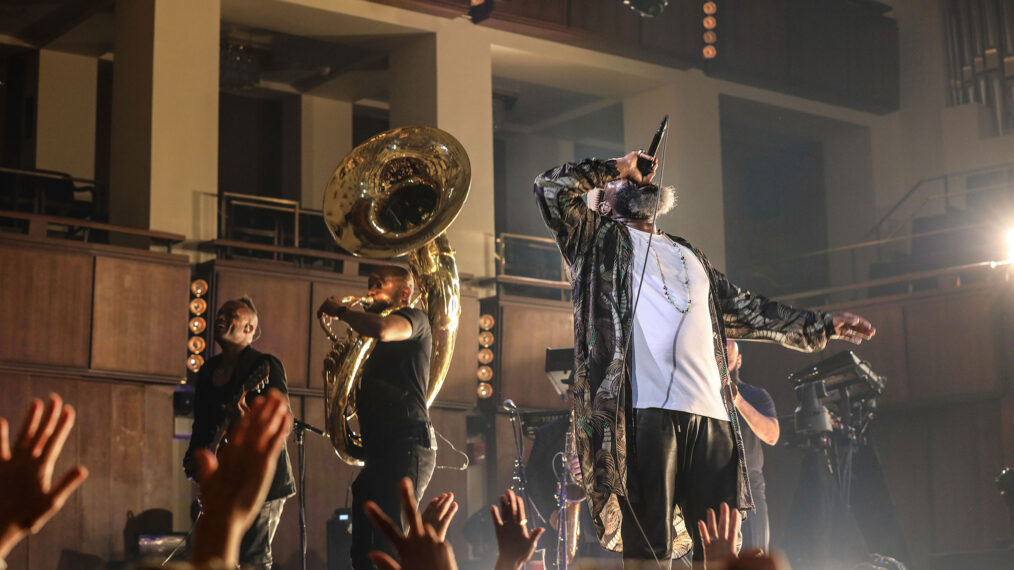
(509, 405)
(643, 164)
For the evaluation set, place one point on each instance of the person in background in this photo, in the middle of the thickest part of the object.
(756, 409)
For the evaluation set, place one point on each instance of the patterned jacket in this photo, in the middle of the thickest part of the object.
(598, 252)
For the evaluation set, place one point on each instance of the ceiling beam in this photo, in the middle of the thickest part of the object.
(61, 20)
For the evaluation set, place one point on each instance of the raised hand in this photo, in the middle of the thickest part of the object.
(26, 471)
(515, 543)
(719, 537)
(439, 512)
(851, 327)
(420, 548)
(234, 484)
(627, 165)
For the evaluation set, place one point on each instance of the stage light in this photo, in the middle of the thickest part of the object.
(709, 52)
(197, 325)
(195, 362)
(486, 322)
(486, 339)
(198, 306)
(710, 22)
(710, 7)
(199, 287)
(484, 390)
(484, 373)
(196, 344)
(485, 356)
(710, 37)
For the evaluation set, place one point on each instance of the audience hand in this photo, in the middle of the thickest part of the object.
(515, 543)
(420, 548)
(26, 471)
(234, 484)
(719, 539)
(439, 512)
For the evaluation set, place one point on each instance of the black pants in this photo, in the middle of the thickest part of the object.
(255, 549)
(756, 528)
(678, 458)
(388, 462)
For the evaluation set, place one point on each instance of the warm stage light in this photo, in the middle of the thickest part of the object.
(486, 322)
(709, 52)
(486, 339)
(710, 37)
(195, 362)
(710, 7)
(484, 390)
(198, 306)
(197, 325)
(485, 356)
(710, 23)
(196, 344)
(199, 287)
(484, 373)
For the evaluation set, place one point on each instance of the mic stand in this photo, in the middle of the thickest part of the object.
(520, 480)
(299, 427)
(562, 524)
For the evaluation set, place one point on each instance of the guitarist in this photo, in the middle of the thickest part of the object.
(224, 385)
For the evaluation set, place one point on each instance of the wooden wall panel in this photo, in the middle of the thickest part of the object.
(459, 386)
(283, 306)
(903, 445)
(123, 436)
(319, 343)
(45, 305)
(447, 478)
(527, 329)
(140, 316)
(952, 346)
(327, 480)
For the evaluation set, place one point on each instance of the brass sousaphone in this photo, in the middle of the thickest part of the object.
(394, 195)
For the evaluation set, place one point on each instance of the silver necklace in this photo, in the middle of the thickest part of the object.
(686, 280)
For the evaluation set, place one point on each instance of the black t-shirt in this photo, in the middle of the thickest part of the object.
(210, 417)
(392, 396)
(760, 399)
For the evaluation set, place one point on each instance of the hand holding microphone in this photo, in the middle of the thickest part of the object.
(646, 161)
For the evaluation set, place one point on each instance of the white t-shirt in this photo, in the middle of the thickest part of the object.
(674, 354)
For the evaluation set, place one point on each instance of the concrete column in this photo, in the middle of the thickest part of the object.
(693, 157)
(65, 131)
(164, 147)
(325, 137)
(445, 80)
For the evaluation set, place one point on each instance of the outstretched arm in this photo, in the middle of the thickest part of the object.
(755, 317)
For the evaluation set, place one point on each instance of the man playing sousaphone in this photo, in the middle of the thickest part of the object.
(393, 417)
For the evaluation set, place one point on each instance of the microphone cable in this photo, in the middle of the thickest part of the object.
(626, 346)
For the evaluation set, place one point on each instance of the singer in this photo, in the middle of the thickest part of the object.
(393, 418)
(657, 437)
